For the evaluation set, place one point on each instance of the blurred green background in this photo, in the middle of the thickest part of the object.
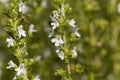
(98, 48)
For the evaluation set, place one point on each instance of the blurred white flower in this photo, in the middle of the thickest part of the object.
(44, 3)
(47, 53)
(60, 54)
(118, 8)
(23, 8)
(31, 28)
(50, 34)
(63, 10)
(77, 33)
(74, 53)
(11, 64)
(4, 1)
(26, 79)
(10, 42)
(21, 32)
(57, 40)
(72, 22)
(38, 58)
(54, 23)
(20, 70)
(37, 77)
(80, 48)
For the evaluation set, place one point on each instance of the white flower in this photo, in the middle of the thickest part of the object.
(76, 33)
(118, 8)
(57, 40)
(10, 42)
(31, 28)
(11, 64)
(21, 32)
(63, 10)
(4, 1)
(54, 23)
(20, 70)
(23, 8)
(44, 3)
(55, 14)
(60, 54)
(37, 77)
(38, 58)
(74, 53)
(72, 22)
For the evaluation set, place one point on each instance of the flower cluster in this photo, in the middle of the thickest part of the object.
(21, 33)
(22, 8)
(63, 29)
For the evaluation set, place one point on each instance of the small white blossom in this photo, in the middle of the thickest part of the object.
(60, 54)
(63, 10)
(55, 14)
(20, 70)
(21, 32)
(24, 50)
(11, 64)
(118, 8)
(37, 77)
(23, 8)
(31, 28)
(57, 40)
(74, 53)
(54, 23)
(77, 33)
(10, 42)
(72, 22)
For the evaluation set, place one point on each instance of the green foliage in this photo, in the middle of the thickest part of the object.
(98, 48)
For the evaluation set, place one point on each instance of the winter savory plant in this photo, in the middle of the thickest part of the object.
(16, 41)
(63, 34)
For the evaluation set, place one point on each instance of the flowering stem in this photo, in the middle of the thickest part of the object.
(17, 40)
(68, 70)
(67, 59)
(64, 31)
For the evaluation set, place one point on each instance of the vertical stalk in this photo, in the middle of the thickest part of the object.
(67, 59)
(68, 70)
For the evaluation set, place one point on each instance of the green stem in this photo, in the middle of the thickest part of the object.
(68, 68)
(68, 71)
(67, 59)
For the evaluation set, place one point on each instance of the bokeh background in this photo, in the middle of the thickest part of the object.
(98, 48)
